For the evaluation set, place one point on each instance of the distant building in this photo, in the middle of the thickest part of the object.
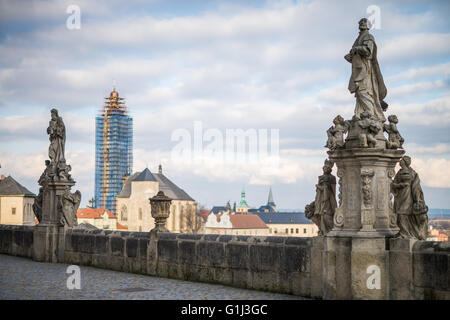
(113, 151)
(100, 218)
(16, 203)
(242, 207)
(269, 207)
(293, 224)
(235, 224)
(133, 205)
(435, 235)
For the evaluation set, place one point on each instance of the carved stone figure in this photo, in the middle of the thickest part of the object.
(57, 132)
(63, 170)
(336, 133)
(69, 203)
(369, 130)
(409, 203)
(37, 205)
(366, 81)
(395, 140)
(324, 204)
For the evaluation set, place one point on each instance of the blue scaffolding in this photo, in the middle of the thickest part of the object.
(113, 151)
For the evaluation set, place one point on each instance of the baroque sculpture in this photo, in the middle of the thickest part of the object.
(395, 140)
(55, 204)
(321, 211)
(365, 159)
(366, 81)
(336, 133)
(369, 130)
(409, 202)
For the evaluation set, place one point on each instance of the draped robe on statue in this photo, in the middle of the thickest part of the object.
(366, 81)
(408, 194)
(325, 202)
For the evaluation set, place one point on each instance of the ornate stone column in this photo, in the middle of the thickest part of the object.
(365, 201)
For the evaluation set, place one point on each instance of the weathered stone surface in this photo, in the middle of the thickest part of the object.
(237, 255)
(117, 246)
(211, 254)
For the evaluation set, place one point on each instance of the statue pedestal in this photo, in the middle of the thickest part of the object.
(356, 250)
(365, 207)
(48, 237)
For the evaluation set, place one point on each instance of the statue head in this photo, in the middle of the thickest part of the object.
(405, 162)
(364, 24)
(327, 166)
(54, 113)
(393, 118)
(338, 120)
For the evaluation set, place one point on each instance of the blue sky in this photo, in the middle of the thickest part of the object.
(229, 64)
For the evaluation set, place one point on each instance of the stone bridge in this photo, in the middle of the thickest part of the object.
(319, 267)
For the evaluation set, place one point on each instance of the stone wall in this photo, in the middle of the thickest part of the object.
(16, 240)
(415, 269)
(277, 264)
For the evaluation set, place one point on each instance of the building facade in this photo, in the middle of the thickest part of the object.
(134, 210)
(16, 203)
(113, 151)
(235, 224)
(99, 218)
(292, 224)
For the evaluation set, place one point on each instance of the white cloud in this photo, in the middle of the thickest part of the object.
(433, 172)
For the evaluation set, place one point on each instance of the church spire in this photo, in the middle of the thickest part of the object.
(270, 202)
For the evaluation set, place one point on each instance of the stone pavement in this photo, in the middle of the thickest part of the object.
(22, 278)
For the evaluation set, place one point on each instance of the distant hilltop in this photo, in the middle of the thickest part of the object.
(439, 213)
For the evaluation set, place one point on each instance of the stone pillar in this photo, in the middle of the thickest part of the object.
(401, 269)
(365, 205)
(49, 233)
(356, 255)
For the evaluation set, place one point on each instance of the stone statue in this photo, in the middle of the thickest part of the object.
(321, 211)
(336, 133)
(369, 129)
(395, 140)
(57, 132)
(37, 205)
(366, 81)
(409, 203)
(69, 203)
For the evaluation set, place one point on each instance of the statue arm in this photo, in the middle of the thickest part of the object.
(366, 49)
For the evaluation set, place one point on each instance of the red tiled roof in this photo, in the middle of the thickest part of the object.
(94, 213)
(120, 227)
(245, 221)
(204, 213)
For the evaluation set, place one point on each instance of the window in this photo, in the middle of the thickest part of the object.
(292, 230)
(13, 211)
(275, 231)
(296, 230)
(287, 230)
(140, 213)
(304, 230)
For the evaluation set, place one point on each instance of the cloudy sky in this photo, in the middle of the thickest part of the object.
(230, 65)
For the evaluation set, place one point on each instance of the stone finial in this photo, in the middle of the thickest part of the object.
(395, 140)
(160, 169)
(160, 208)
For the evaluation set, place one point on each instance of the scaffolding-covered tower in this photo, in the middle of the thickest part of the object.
(113, 151)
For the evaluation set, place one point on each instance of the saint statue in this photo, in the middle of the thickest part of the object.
(409, 203)
(366, 81)
(321, 211)
(57, 132)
